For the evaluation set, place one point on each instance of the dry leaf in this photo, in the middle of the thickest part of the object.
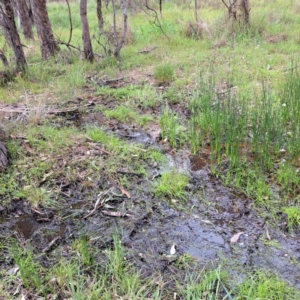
(124, 192)
(46, 176)
(28, 148)
(235, 238)
(155, 134)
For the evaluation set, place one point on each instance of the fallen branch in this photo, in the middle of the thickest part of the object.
(46, 249)
(146, 51)
(130, 173)
(98, 148)
(50, 111)
(100, 201)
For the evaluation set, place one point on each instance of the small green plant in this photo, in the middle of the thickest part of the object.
(266, 286)
(208, 285)
(293, 216)
(39, 196)
(164, 73)
(171, 128)
(123, 93)
(172, 184)
(81, 246)
(100, 136)
(185, 261)
(29, 268)
(157, 156)
(126, 114)
(173, 95)
(148, 96)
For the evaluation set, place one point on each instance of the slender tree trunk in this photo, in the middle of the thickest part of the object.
(245, 11)
(4, 29)
(196, 11)
(3, 59)
(99, 14)
(3, 157)
(120, 43)
(23, 15)
(86, 38)
(30, 12)
(11, 34)
(48, 44)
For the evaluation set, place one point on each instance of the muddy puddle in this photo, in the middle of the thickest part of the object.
(148, 227)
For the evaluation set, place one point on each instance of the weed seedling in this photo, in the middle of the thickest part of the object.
(172, 185)
(164, 73)
(293, 216)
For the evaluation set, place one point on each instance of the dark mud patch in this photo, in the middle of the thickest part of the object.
(26, 225)
(148, 226)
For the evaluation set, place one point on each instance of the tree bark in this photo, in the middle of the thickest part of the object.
(48, 44)
(86, 38)
(120, 43)
(99, 14)
(3, 157)
(11, 34)
(3, 59)
(23, 14)
(245, 11)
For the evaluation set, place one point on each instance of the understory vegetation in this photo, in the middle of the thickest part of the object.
(214, 89)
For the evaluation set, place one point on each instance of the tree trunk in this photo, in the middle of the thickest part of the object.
(3, 157)
(48, 44)
(11, 34)
(120, 43)
(4, 28)
(196, 11)
(3, 59)
(245, 11)
(99, 14)
(30, 12)
(23, 15)
(86, 39)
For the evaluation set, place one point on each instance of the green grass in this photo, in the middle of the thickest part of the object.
(92, 273)
(249, 125)
(28, 267)
(164, 73)
(126, 115)
(265, 286)
(250, 132)
(293, 217)
(171, 129)
(210, 285)
(172, 185)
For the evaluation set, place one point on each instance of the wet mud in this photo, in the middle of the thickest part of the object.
(148, 227)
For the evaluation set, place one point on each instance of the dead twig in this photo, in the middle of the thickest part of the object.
(156, 21)
(146, 51)
(101, 199)
(46, 249)
(98, 148)
(71, 24)
(130, 173)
